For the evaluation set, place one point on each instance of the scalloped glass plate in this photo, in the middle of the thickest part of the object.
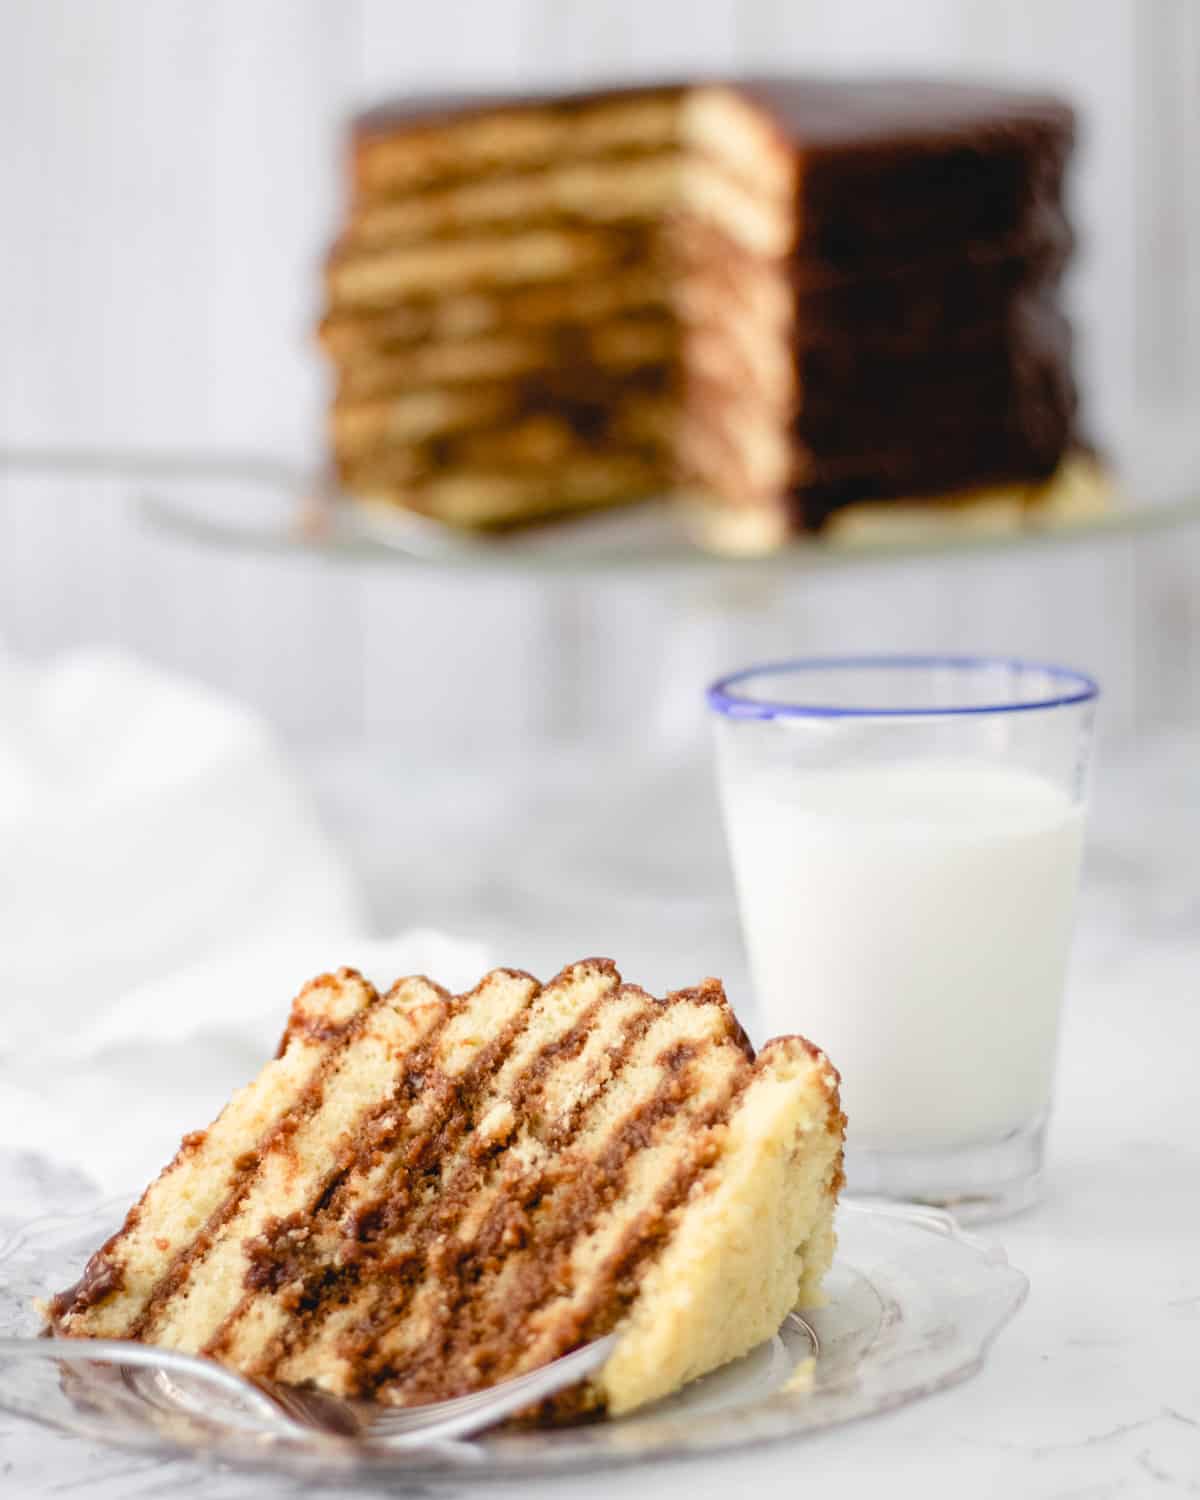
(913, 1306)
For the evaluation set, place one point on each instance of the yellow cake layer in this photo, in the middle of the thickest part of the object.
(617, 345)
(401, 156)
(376, 278)
(599, 191)
(480, 499)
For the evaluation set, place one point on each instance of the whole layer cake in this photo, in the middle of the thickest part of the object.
(790, 302)
(424, 1194)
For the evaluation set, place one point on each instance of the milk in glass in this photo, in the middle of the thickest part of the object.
(914, 919)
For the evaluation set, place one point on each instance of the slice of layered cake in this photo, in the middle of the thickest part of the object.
(425, 1194)
(799, 304)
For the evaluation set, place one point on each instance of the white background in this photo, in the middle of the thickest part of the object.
(170, 181)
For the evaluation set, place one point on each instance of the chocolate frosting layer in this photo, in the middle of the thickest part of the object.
(816, 110)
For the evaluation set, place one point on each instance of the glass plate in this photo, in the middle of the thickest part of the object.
(913, 1306)
(251, 503)
(259, 513)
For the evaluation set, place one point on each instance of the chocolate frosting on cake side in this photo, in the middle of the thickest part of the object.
(819, 110)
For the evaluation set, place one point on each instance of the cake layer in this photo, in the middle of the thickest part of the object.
(616, 344)
(469, 1186)
(589, 400)
(499, 310)
(501, 498)
(604, 191)
(361, 428)
(643, 425)
(376, 278)
(531, 466)
(411, 143)
(577, 367)
(641, 422)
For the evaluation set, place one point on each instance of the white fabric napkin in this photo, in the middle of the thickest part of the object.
(165, 1058)
(167, 890)
(147, 823)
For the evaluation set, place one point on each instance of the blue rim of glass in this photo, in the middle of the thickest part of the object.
(1073, 688)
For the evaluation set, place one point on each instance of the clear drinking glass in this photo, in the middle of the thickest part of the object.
(906, 837)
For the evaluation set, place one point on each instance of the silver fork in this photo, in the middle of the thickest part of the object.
(460, 1416)
(285, 1411)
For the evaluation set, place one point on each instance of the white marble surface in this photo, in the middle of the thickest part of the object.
(1094, 1391)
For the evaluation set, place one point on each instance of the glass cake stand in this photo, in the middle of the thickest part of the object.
(913, 1307)
(266, 508)
(253, 503)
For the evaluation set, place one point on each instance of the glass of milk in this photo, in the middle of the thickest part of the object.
(906, 836)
